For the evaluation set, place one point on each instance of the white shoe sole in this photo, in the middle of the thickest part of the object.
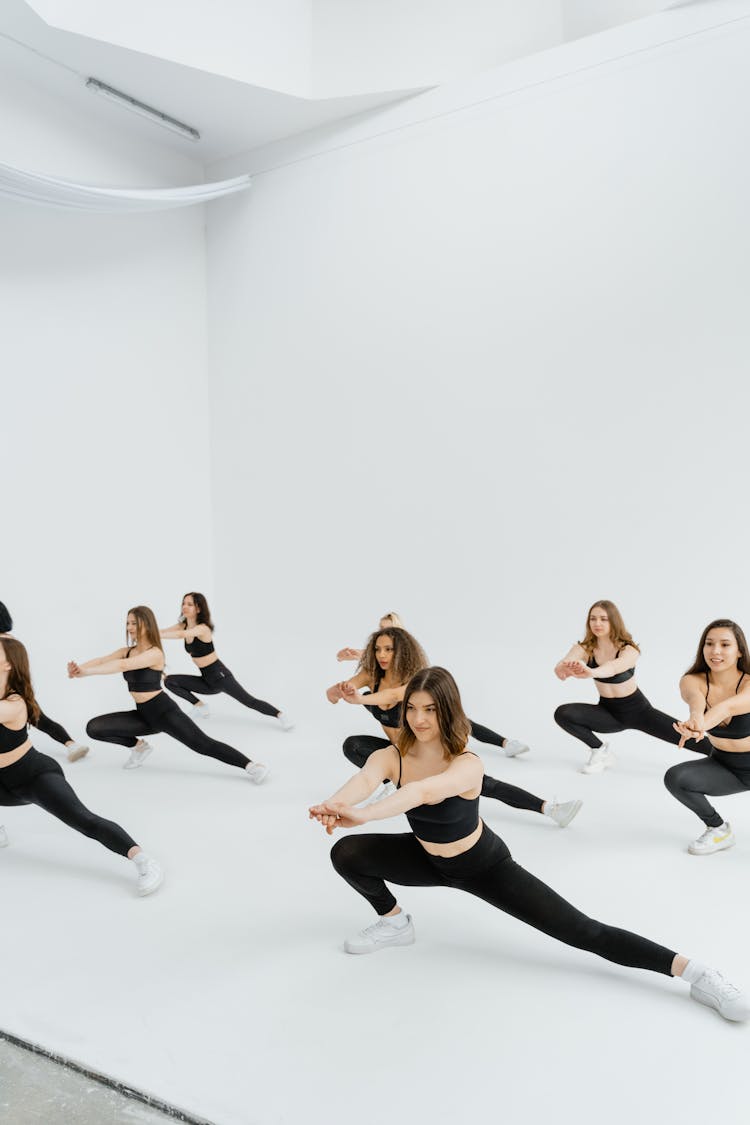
(722, 847)
(143, 891)
(738, 1014)
(407, 938)
(577, 805)
(138, 762)
(600, 766)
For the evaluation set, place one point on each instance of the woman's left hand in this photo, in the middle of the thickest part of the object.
(333, 815)
(687, 730)
(578, 669)
(73, 670)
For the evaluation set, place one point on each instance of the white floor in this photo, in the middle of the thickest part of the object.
(227, 993)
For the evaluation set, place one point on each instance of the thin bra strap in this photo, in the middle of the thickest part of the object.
(739, 682)
(400, 759)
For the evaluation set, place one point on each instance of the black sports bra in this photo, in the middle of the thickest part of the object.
(389, 718)
(452, 819)
(12, 739)
(736, 727)
(197, 647)
(620, 678)
(142, 679)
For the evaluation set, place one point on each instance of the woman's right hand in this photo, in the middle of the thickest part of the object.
(73, 670)
(348, 654)
(333, 694)
(691, 728)
(560, 671)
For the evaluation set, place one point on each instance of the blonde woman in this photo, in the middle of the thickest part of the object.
(608, 656)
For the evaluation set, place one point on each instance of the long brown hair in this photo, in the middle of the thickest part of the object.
(146, 627)
(618, 634)
(453, 724)
(408, 656)
(203, 616)
(19, 676)
(743, 664)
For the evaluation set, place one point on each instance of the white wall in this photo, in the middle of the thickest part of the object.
(486, 368)
(104, 404)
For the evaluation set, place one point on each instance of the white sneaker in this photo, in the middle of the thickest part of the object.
(4, 841)
(76, 752)
(256, 771)
(200, 711)
(600, 760)
(381, 934)
(284, 721)
(562, 814)
(513, 748)
(138, 756)
(385, 789)
(713, 840)
(715, 991)
(150, 876)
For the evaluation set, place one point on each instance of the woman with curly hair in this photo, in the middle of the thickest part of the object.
(141, 663)
(608, 655)
(30, 778)
(716, 688)
(511, 747)
(438, 786)
(196, 629)
(390, 659)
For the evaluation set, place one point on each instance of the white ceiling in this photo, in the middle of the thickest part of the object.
(234, 114)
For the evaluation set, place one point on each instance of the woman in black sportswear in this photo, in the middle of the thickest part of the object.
(195, 629)
(392, 656)
(439, 782)
(141, 663)
(608, 655)
(30, 778)
(511, 747)
(74, 750)
(716, 688)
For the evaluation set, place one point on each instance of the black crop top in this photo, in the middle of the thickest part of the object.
(452, 819)
(736, 727)
(142, 679)
(197, 647)
(11, 739)
(389, 718)
(620, 678)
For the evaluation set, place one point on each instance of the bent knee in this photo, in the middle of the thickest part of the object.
(561, 714)
(344, 853)
(673, 778)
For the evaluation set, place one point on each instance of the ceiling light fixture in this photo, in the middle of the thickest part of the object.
(143, 110)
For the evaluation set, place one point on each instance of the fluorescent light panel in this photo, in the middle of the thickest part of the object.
(143, 110)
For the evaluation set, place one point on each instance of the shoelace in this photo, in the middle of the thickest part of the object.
(725, 988)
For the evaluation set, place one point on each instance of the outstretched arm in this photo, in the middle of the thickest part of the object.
(463, 775)
(116, 662)
(627, 658)
(576, 653)
(349, 654)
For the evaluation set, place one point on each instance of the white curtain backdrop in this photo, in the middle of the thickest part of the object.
(32, 187)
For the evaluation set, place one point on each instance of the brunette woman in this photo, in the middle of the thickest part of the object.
(30, 778)
(439, 783)
(74, 750)
(141, 663)
(716, 689)
(511, 747)
(608, 656)
(391, 658)
(195, 628)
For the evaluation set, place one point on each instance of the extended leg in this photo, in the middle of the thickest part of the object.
(180, 727)
(54, 794)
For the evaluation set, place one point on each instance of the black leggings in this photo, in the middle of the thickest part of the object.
(719, 775)
(487, 871)
(213, 680)
(484, 734)
(358, 747)
(36, 779)
(52, 729)
(161, 714)
(610, 716)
